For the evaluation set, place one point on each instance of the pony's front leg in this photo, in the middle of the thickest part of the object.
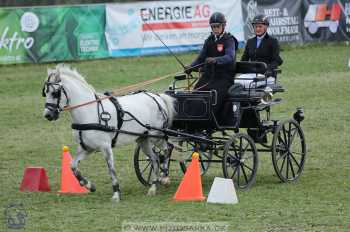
(164, 163)
(156, 178)
(108, 153)
(147, 149)
(81, 154)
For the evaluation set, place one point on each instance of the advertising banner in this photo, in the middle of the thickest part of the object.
(139, 28)
(45, 34)
(52, 34)
(14, 39)
(326, 20)
(284, 16)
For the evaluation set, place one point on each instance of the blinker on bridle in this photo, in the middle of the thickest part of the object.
(56, 94)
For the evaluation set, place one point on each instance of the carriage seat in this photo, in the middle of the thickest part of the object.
(240, 92)
(254, 92)
(243, 67)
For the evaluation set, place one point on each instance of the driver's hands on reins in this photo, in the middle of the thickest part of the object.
(210, 60)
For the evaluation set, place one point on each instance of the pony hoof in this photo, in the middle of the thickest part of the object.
(116, 197)
(165, 181)
(91, 187)
(152, 191)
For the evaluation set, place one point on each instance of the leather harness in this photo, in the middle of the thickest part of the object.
(105, 117)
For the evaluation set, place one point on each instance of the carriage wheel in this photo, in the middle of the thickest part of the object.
(143, 165)
(240, 160)
(288, 150)
(204, 157)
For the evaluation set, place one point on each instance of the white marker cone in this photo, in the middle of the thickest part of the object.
(222, 191)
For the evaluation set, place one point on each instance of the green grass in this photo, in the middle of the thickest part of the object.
(316, 77)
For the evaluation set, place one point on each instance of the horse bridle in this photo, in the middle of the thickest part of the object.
(56, 94)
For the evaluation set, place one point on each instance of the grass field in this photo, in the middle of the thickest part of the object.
(316, 77)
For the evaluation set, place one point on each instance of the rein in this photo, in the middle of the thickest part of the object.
(67, 108)
(120, 91)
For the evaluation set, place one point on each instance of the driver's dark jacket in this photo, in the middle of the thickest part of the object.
(217, 76)
(267, 52)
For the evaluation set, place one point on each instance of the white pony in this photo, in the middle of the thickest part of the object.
(96, 124)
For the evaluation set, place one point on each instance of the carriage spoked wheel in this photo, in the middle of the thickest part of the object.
(143, 164)
(288, 150)
(240, 160)
(205, 156)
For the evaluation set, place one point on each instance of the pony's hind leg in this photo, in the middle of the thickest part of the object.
(81, 154)
(108, 154)
(146, 146)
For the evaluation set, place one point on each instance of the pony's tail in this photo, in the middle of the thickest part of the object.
(170, 106)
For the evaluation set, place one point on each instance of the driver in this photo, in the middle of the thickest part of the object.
(263, 48)
(218, 56)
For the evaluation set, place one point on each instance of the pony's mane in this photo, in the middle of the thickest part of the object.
(68, 71)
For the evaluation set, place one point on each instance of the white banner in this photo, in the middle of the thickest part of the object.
(133, 29)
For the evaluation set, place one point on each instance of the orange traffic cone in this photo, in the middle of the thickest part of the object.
(69, 183)
(190, 188)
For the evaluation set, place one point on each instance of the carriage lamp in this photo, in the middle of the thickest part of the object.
(299, 114)
(267, 97)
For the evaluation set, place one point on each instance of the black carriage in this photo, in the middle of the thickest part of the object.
(231, 139)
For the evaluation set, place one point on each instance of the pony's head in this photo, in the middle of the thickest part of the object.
(54, 93)
(61, 81)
